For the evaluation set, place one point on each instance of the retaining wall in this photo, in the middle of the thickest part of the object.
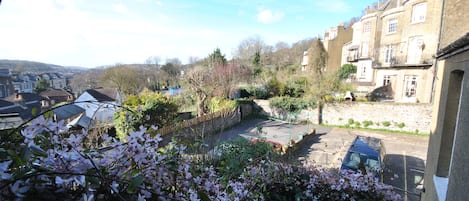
(411, 117)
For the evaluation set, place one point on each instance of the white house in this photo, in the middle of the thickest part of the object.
(100, 104)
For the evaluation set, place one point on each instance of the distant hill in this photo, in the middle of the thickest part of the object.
(32, 66)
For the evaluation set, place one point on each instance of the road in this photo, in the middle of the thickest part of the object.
(404, 160)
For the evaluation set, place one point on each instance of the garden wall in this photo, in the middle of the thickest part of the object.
(411, 117)
(205, 126)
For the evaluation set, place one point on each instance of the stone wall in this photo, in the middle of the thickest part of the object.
(411, 117)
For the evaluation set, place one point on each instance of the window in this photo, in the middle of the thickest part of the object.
(389, 54)
(387, 80)
(367, 27)
(392, 25)
(419, 12)
(363, 72)
(365, 49)
(410, 83)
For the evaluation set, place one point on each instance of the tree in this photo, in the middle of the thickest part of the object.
(146, 109)
(322, 84)
(216, 58)
(128, 80)
(42, 85)
(216, 77)
(85, 80)
(248, 48)
(201, 82)
(345, 71)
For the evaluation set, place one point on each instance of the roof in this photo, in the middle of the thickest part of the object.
(27, 97)
(55, 92)
(104, 94)
(4, 103)
(457, 46)
(67, 111)
(9, 121)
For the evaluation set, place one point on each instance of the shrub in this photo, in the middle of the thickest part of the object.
(219, 103)
(288, 103)
(401, 125)
(386, 123)
(357, 124)
(367, 123)
(350, 121)
(145, 109)
(257, 92)
(295, 88)
(57, 166)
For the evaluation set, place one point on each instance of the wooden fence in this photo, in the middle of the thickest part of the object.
(196, 121)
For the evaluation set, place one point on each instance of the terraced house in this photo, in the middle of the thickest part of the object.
(393, 47)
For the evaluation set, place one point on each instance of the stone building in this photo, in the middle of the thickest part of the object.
(393, 47)
(446, 173)
(334, 40)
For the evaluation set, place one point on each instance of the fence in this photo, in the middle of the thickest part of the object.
(205, 124)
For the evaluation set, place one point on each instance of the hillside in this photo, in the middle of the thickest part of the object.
(32, 66)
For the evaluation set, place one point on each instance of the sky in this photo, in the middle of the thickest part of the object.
(91, 33)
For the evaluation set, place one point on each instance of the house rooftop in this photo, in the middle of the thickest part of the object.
(103, 94)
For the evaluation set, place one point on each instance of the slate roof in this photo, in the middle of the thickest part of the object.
(67, 111)
(4, 103)
(27, 97)
(9, 121)
(103, 94)
(58, 95)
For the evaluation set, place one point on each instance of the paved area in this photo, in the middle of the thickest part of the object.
(275, 131)
(404, 161)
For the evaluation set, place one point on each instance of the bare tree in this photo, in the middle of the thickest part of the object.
(126, 79)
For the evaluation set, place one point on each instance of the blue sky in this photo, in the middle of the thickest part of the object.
(93, 33)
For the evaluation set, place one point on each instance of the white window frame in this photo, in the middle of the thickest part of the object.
(389, 53)
(367, 27)
(419, 12)
(386, 80)
(392, 25)
(365, 47)
(410, 84)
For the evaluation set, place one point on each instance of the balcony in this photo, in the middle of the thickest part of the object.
(352, 58)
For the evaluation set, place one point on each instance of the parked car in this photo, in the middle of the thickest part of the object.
(365, 154)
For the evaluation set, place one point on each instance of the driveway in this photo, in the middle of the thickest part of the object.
(404, 160)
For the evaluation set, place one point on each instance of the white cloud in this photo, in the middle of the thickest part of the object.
(335, 6)
(267, 16)
(120, 8)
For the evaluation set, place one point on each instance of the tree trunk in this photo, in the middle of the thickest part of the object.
(201, 107)
(320, 107)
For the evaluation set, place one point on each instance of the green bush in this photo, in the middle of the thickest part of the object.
(367, 123)
(237, 154)
(219, 103)
(295, 88)
(386, 123)
(401, 125)
(288, 103)
(146, 109)
(275, 88)
(351, 121)
(257, 92)
(357, 124)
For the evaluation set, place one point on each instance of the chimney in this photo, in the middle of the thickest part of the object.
(18, 98)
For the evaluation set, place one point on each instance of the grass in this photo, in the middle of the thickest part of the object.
(380, 130)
